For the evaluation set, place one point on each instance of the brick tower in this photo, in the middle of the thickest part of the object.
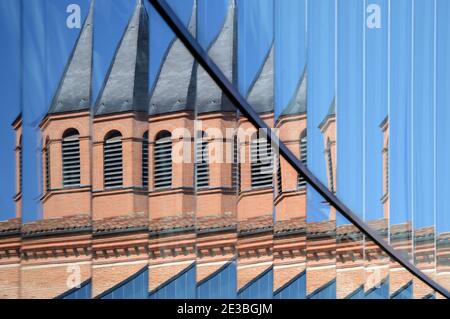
(321, 235)
(66, 135)
(171, 197)
(256, 199)
(56, 249)
(217, 151)
(328, 129)
(120, 142)
(290, 199)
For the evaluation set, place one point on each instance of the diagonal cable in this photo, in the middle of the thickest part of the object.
(177, 26)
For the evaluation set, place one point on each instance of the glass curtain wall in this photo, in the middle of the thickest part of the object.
(136, 177)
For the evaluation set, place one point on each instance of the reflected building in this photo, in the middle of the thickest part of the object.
(169, 192)
(61, 241)
(290, 200)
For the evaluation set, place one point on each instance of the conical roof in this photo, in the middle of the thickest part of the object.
(125, 88)
(222, 51)
(74, 90)
(174, 89)
(260, 95)
(298, 104)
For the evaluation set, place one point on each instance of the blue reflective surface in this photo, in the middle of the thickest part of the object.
(405, 292)
(220, 285)
(181, 287)
(327, 291)
(380, 292)
(259, 288)
(294, 289)
(134, 287)
(84, 292)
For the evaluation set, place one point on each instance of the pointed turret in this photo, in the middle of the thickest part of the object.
(223, 52)
(74, 90)
(174, 90)
(260, 95)
(125, 88)
(332, 108)
(330, 114)
(298, 104)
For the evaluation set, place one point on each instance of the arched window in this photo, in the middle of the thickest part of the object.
(261, 162)
(330, 165)
(279, 179)
(236, 166)
(71, 158)
(202, 161)
(145, 160)
(47, 164)
(301, 183)
(163, 161)
(112, 158)
(20, 164)
(386, 168)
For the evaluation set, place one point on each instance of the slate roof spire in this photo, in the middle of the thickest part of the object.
(174, 88)
(74, 89)
(332, 108)
(125, 88)
(222, 51)
(260, 95)
(298, 105)
(330, 114)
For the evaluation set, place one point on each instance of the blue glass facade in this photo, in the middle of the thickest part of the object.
(219, 285)
(376, 75)
(259, 288)
(379, 292)
(294, 289)
(328, 291)
(83, 292)
(134, 287)
(405, 292)
(181, 287)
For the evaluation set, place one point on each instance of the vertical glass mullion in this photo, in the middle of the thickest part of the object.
(376, 144)
(424, 143)
(400, 138)
(255, 222)
(11, 144)
(172, 207)
(291, 124)
(350, 276)
(50, 271)
(216, 170)
(442, 222)
(320, 217)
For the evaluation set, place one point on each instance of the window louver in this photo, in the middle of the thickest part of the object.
(261, 163)
(145, 160)
(301, 183)
(47, 167)
(235, 169)
(163, 162)
(386, 164)
(20, 166)
(113, 166)
(71, 160)
(330, 168)
(279, 180)
(202, 160)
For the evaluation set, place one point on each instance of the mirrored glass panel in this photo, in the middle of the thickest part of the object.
(56, 125)
(11, 144)
(135, 176)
